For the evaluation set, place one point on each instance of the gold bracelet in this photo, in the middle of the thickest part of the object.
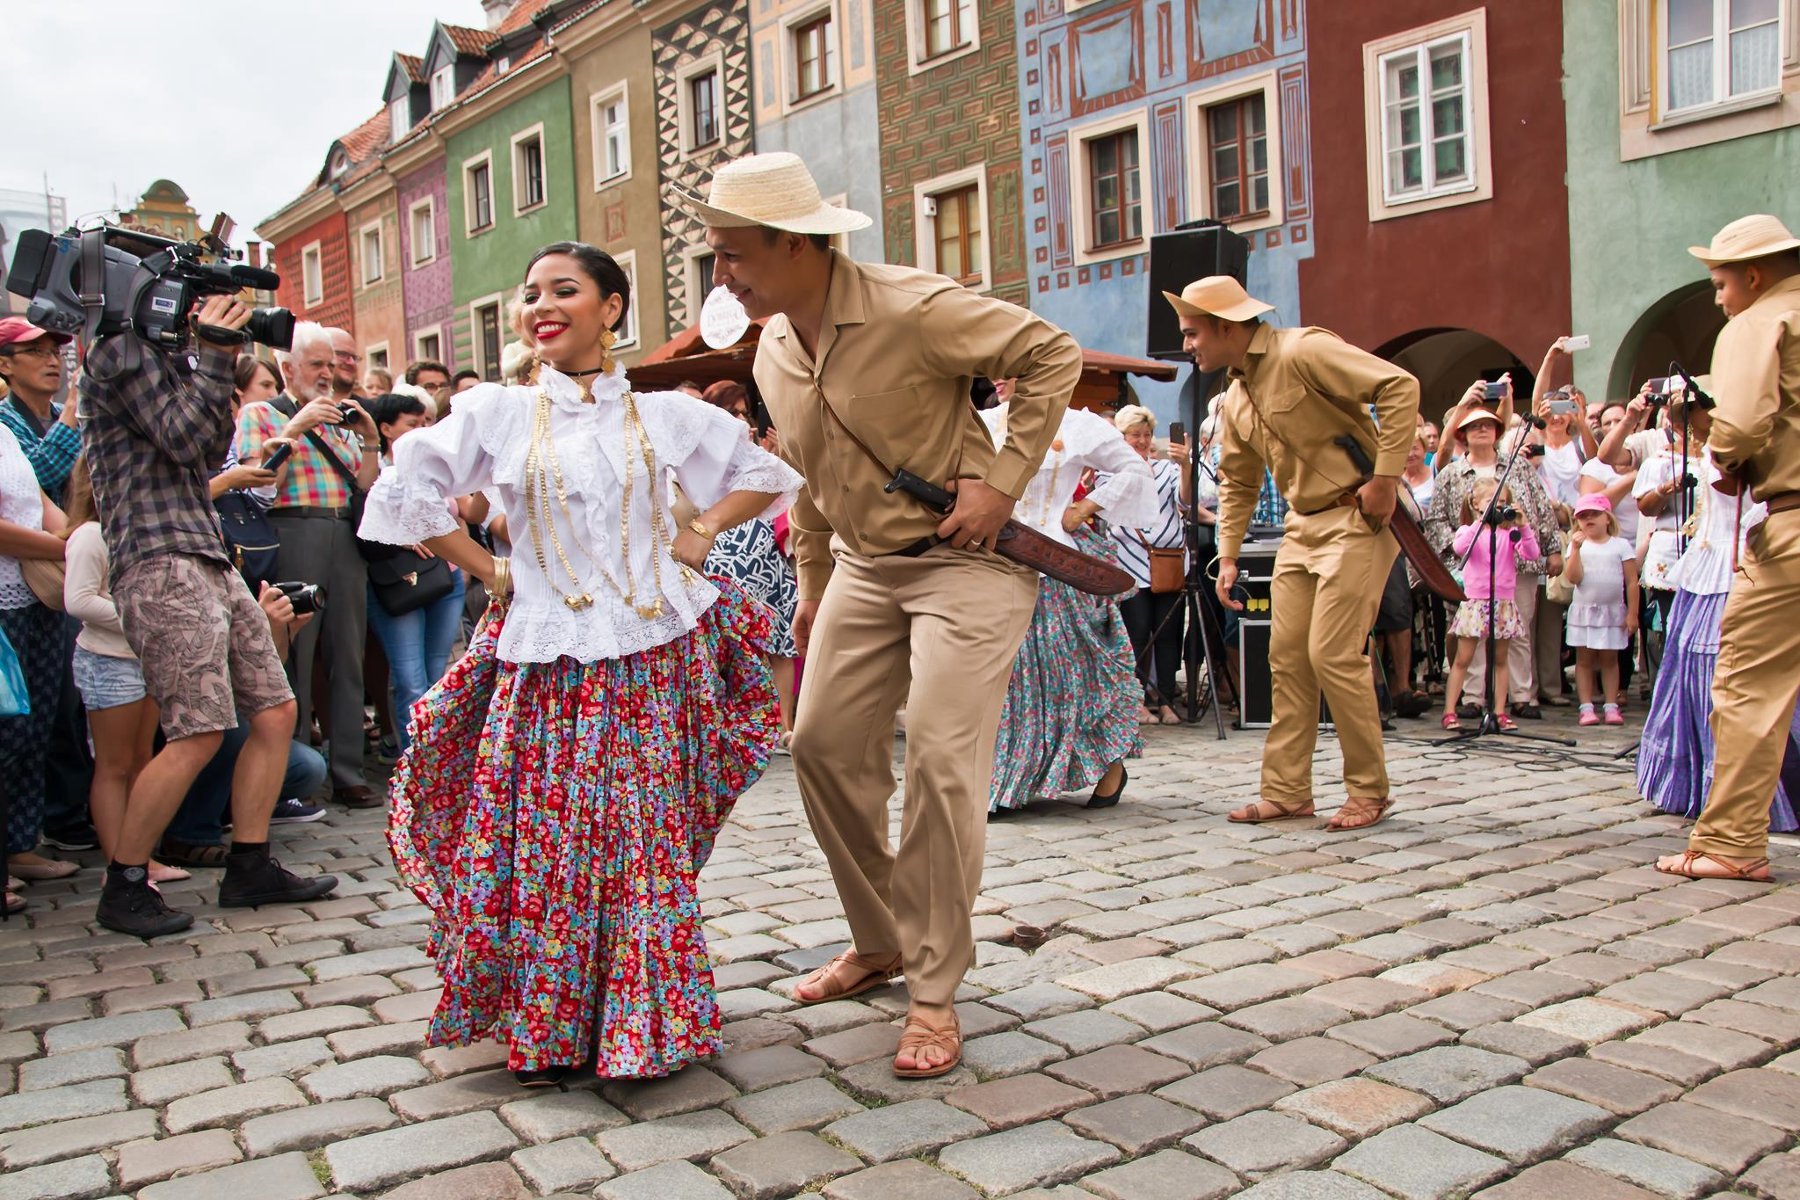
(502, 587)
(702, 530)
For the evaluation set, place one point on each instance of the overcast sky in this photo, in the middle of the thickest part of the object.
(237, 102)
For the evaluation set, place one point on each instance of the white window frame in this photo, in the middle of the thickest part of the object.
(684, 106)
(621, 92)
(916, 61)
(443, 87)
(312, 282)
(1081, 213)
(362, 254)
(698, 289)
(792, 100)
(478, 364)
(925, 220)
(517, 146)
(1199, 156)
(470, 229)
(399, 118)
(1721, 39)
(419, 354)
(429, 204)
(379, 348)
(628, 336)
(1472, 26)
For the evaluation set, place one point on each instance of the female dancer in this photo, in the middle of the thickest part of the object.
(1071, 713)
(1154, 619)
(568, 776)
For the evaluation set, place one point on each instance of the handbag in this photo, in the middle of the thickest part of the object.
(15, 697)
(1558, 589)
(407, 581)
(250, 541)
(1168, 567)
(44, 576)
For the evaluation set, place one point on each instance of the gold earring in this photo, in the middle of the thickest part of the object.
(606, 359)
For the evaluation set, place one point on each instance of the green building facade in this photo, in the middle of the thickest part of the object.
(1650, 175)
(521, 150)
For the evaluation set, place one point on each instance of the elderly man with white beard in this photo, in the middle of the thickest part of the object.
(335, 456)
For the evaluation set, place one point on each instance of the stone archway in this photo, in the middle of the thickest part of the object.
(1680, 327)
(1446, 361)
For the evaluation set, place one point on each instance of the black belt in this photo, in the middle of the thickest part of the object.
(317, 511)
(917, 548)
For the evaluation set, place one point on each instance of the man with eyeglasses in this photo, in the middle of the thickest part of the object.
(346, 365)
(434, 377)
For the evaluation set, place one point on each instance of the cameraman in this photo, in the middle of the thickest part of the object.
(155, 424)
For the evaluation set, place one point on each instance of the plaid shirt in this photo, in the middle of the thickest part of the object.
(311, 481)
(51, 452)
(154, 436)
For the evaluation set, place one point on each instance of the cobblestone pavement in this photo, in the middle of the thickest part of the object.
(1490, 993)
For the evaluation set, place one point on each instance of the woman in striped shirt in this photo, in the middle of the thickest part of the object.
(1154, 619)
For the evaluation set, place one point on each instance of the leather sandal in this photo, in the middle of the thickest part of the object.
(190, 854)
(1353, 811)
(829, 982)
(1755, 871)
(921, 1035)
(1259, 811)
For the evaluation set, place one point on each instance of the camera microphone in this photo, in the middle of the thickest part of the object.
(255, 278)
(1534, 421)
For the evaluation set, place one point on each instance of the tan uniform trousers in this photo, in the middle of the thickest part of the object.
(1327, 585)
(1753, 693)
(940, 632)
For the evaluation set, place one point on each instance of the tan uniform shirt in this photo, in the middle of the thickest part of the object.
(1756, 382)
(898, 349)
(1298, 389)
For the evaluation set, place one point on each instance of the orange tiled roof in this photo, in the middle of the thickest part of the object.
(415, 66)
(469, 41)
(520, 16)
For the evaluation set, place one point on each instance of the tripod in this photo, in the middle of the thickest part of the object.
(1490, 521)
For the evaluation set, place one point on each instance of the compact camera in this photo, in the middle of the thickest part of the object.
(305, 597)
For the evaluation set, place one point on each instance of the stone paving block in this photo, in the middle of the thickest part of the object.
(1206, 1044)
(804, 1104)
(374, 1076)
(847, 1047)
(313, 1023)
(1307, 1061)
(372, 962)
(565, 1165)
(1392, 1036)
(1019, 1100)
(315, 1125)
(160, 1050)
(81, 1066)
(49, 1015)
(1450, 1073)
(483, 1181)
(1355, 1108)
(1663, 1173)
(92, 1099)
(1030, 1156)
(1534, 988)
(687, 1090)
(1523, 1125)
(1261, 1143)
(1038, 1000)
(1241, 987)
(554, 1116)
(1777, 1175)
(1010, 1053)
(1770, 1024)
(908, 1179)
(461, 1094)
(1159, 1012)
(1611, 1087)
(159, 1085)
(1463, 1011)
(68, 1139)
(64, 1038)
(1368, 997)
(1720, 1140)
(1535, 1046)
(1128, 977)
(781, 1165)
(1166, 1175)
(767, 1066)
(379, 1039)
(1726, 1048)
(147, 1161)
(1559, 1180)
(817, 1020)
(1081, 1032)
(162, 995)
(1135, 1124)
(1416, 1164)
(899, 1130)
(1590, 1020)
(283, 1058)
(667, 1181)
(1226, 1091)
(1772, 1097)
(1311, 1185)
(690, 1135)
(287, 1177)
(876, 1083)
(1282, 1020)
(447, 1062)
(71, 1179)
(231, 1105)
(376, 1160)
(1118, 1070)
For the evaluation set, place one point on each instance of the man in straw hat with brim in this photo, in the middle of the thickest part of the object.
(1755, 439)
(1292, 392)
(867, 369)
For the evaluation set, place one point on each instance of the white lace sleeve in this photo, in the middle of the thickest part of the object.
(411, 500)
(713, 455)
(1126, 492)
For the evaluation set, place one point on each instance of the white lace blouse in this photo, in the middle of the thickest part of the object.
(482, 446)
(1705, 567)
(21, 503)
(1126, 493)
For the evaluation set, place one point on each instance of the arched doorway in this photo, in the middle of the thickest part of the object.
(1446, 361)
(1681, 327)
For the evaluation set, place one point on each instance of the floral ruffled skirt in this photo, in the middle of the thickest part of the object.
(554, 817)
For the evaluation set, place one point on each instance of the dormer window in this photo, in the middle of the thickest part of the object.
(399, 118)
(443, 88)
(504, 65)
(338, 164)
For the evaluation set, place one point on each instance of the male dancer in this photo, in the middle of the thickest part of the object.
(866, 369)
(1292, 392)
(1755, 266)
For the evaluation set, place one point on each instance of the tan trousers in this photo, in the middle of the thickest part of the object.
(1753, 693)
(940, 632)
(1329, 575)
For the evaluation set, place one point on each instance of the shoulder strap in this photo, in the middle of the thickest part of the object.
(312, 435)
(851, 434)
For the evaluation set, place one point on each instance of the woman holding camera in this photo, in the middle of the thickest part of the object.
(568, 776)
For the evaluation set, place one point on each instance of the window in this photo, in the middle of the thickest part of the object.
(958, 234)
(369, 248)
(312, 275)
(443, 87)
(399, 118)
(484, 330)
(528, 169)
(1238, 157)
(703, 109)
(1115, 193)
(700, 265)
(812, 56)
(478, 193)
(612, 137)
(1425, 120)
(338, 165)
(423, 218)
(949, 25)
(427, 347)
(628, 331)
(700, 103)
(1719, 50)
(377, 357)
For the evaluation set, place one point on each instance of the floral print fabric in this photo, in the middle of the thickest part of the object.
(554, 817)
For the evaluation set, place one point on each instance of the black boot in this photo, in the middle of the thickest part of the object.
(541, 1077)
(128, 904)
(252, 878)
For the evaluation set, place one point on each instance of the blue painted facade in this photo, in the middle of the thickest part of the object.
(1155, 67)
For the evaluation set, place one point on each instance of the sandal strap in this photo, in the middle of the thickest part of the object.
(943, 1037)
(827, 977)
(1732, 870)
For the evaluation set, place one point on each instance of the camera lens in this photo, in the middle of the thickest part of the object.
(272, 327)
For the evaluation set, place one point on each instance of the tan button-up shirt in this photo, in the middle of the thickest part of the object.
(1756, 382)
(1297, 390)
(898, 349)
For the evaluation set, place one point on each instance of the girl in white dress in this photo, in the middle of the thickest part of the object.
(1603, 615)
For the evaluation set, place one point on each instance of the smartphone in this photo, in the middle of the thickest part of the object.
(1565, 406)
(274, 461)
(1177, 432)
(1578, 341)
(1496, 390)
